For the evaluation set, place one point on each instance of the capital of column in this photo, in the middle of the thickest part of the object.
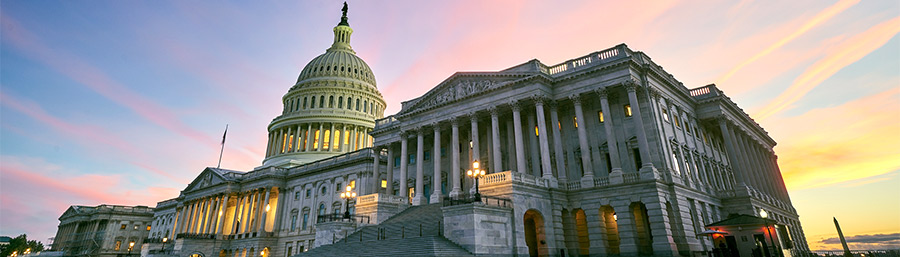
(473, 116)
(493, 110)
(454, 121)
(436, 125)
(655, 94)
(539, 100)
(630, 85)
(515, 106)
(603, 93)
(576, 99)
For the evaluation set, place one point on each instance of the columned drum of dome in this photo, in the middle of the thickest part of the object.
(330, 110)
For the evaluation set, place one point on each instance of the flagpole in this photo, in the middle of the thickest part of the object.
(223, 147)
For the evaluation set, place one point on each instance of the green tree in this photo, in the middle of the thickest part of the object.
(20, 244)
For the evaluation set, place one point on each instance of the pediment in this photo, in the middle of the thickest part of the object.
(71, 211)
(461, 86)
(207, 178)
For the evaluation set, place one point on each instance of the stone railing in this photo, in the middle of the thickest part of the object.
(574, 185)
(385, 122)
(379, 198)
(592, 59)
(601, 181)
(631, 177)
(494, 178)
(507, 176)
(705, 91)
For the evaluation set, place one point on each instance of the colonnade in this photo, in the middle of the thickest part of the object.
(318, 137)
(755, 165)
(214, 214)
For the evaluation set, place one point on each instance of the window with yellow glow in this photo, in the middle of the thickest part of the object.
(600, 114)
(675, 118)
(316, 140)
(337, 134)
(559, 125)
(627, 110)
(346, 139)
(665, 115)
(327, 139)
(352, 184)
(536, 131)
(118, 245)
(148, 228)
(290, 142)
(283, 141)
(575, 120)
(384, 183)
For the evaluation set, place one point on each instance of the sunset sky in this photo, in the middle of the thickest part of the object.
(124, 102)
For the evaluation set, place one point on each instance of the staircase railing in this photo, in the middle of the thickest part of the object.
(342, 217)
(484, 199)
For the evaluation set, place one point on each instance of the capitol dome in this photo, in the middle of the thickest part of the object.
(330, 110)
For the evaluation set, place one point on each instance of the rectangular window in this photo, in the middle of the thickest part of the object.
(575, 120)
(308, 193)
(316, 141)
(600, 114)
(412, 158)
(123, 226)
(118, 244)
(327, 139)
(675, 119)
(443, 151)
(627, 110)
(397, 161)
(337, 143)
(305, 220)
(559, 125)
(427, 155)
(536, 131)
(353, 184)
(135, 227)
(665, 115)
(293, 222)
(338, 188)
(148, 227)
(384, 183)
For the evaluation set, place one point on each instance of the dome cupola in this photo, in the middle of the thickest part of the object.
(331, 108)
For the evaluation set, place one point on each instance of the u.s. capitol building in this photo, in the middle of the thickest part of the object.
(604, 154)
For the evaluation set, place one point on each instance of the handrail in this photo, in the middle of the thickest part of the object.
(483, 199)
(342, 217)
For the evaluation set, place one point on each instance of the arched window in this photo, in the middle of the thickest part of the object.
(312, 102)
(340, 102)
(349, 103)
(365, 104)
(322, 101)
(357, 104)
(322, 209)
(323, 190)
(304, 103)
(331, 102)
(372, 108)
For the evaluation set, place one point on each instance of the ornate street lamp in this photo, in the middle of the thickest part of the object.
(347, 195)
(164, 243)
(130, 247)
(476, 173)
(765, 215)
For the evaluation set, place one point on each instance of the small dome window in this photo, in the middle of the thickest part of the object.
(335, 68)
(328, 68)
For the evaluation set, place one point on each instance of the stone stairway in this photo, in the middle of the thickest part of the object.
(416, 231)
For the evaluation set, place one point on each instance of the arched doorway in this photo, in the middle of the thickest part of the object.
(534, 233)
(642, 228)
(196, 254)
(584, 242)
(608, 214)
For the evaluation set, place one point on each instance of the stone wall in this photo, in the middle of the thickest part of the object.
(481, 229)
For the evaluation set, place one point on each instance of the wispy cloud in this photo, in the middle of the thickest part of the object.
(846, 53)
(876, 241)
(816, 20)
(854, 140)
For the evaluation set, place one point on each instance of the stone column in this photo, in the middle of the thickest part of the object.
(321, 137)
(248, 212)
(436, 160)
(288, 144)
(586, 163)
(454, 158)
(520, 144)
(260, 209)
(390, 170)
(223, 208)
(180, 222)
(557, 142)
(331, 144)
(611, 142)
(264, 213)
(543, 139)
(647, 165)
(269, 145)
(625, 222)
(747, 169)
(475, 151)
(730, 147)
(419, 197)
(376, 182)
(310, 135)
(495, 141)
(343, 147)
(404, 160)
(238, 201)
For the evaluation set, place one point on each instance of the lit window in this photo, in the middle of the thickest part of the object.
(118, 244)
(675, 118)
(575, 120)
(337, 134)
(627, 110)
(558, 124)
(327, 139)
(384, 183)
(665, 115)
(353, 184)
(135, 227)
(148, 227)
(600, 114)
(536, 131)
(471, 145)
(123, 226)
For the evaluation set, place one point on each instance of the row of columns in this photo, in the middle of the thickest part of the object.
(303, 138)
(543, 138)
(208, 215)
(756, 165)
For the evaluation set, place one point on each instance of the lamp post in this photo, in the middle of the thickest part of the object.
(347, 195)
(164, 243)
(476, 173)
(130, 247)
(765, 215)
